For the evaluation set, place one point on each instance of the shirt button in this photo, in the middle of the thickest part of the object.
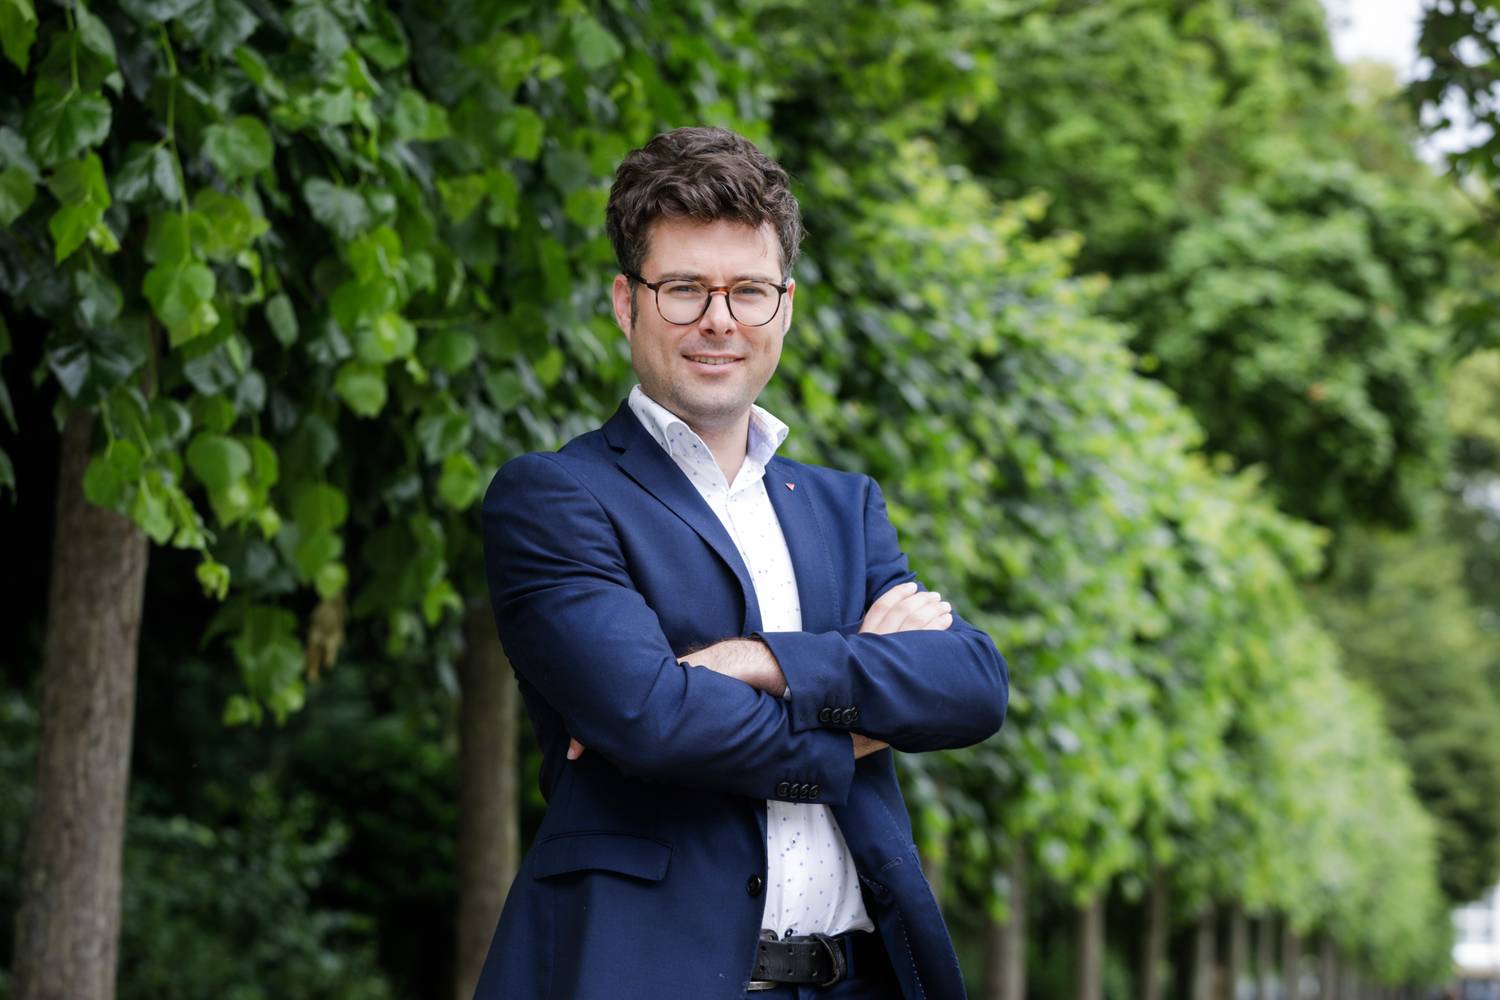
(754, 884)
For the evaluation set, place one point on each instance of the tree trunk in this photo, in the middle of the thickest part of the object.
(1005, 954)
(1204, 956)
(1154, 941)
(1327, 971)
(68, 923)
(489, 838)
(1265, 961)
(1291, 962)
(1090, 979)
(1239, 949)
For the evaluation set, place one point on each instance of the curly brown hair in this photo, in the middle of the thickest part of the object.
(700, 173)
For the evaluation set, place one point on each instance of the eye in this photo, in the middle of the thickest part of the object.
(683, 290)
(752, 291)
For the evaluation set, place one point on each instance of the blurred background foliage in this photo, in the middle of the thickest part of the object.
(1178, 367)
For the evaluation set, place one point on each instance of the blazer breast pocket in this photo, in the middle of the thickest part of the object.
(626, 854)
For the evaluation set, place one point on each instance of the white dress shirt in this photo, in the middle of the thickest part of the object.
(811, 885)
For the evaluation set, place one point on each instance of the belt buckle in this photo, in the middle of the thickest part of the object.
(757, 985)
(836, 953)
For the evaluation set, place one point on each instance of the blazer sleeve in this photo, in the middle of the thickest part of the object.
(574, 626)
(917, 691)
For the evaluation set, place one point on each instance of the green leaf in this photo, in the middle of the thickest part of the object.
(111, 474)
(169, 240)
(241, 148)
(319, 507)
(259, 72)
(147, 169)
(213, 577)
(18, 175)
(549, 366)
(218, 460)
(80, 188)
(17, 192)
(282, 319)
(442, 434)
(505, 197)
(239, 710)
(506, 389)
(94, 35)
(331, 579)
(316, 550)
(17, 30)
(13, 152)
(386, 338)
(461, 195)
(219, 25)
(223, 225)
(149, 510)
(181, 294)
(60, 124)
(342, 211)
(315, 24)
(97, 299)
(69, 363)
(460, 483)
(521, 133)
(362, 387)
(596, 47)
(7, 473)
(415, 118)
(450, 350)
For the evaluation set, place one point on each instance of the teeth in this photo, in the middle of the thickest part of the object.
(711, 361)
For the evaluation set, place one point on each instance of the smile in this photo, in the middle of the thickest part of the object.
(704, 359)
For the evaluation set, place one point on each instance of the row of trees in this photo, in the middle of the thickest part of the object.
(1130, 360)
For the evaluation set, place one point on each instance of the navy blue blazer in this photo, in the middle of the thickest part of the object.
(646, 878)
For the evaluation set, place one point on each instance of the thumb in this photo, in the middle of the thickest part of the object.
(575, 749)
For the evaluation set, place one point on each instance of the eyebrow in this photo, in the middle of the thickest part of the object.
(703, 280)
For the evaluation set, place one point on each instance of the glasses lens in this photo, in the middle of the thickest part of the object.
(681, 301)
(752, 303)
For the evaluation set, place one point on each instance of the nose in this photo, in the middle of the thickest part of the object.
(716, 318)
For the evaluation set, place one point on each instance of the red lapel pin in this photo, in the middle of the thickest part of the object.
(791, 486)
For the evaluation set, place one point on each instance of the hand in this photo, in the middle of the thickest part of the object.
(904, 608)
(747, 660)
(865, 745)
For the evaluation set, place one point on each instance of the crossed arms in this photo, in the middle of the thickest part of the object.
(577, 629)
(904, 608)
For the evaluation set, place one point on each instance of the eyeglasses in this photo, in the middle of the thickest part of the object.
(680, 302)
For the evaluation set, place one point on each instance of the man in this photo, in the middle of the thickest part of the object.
(716, 647)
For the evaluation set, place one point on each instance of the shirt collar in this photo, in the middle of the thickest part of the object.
(766, 432)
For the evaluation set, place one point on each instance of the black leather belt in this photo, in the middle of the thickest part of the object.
(811, 959)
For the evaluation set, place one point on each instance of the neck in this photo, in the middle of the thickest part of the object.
(728, 442)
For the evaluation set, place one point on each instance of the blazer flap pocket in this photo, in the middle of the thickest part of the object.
(622, 853)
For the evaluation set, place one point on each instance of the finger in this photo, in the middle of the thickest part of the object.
(575, 749)
(917, 604)
(927, 618)
(874, 620)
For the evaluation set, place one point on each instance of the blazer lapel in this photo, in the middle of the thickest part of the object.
(646, 462)
(816, 584)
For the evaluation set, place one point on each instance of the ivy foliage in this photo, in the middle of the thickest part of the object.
(319, 269)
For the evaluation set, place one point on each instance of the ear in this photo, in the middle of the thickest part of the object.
(620, 295)
(791, 290)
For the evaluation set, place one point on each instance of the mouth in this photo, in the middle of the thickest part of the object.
(712, 360)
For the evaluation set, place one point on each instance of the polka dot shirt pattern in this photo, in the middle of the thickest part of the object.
(811, 886)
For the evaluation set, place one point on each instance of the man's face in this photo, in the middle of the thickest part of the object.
(708, 372)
